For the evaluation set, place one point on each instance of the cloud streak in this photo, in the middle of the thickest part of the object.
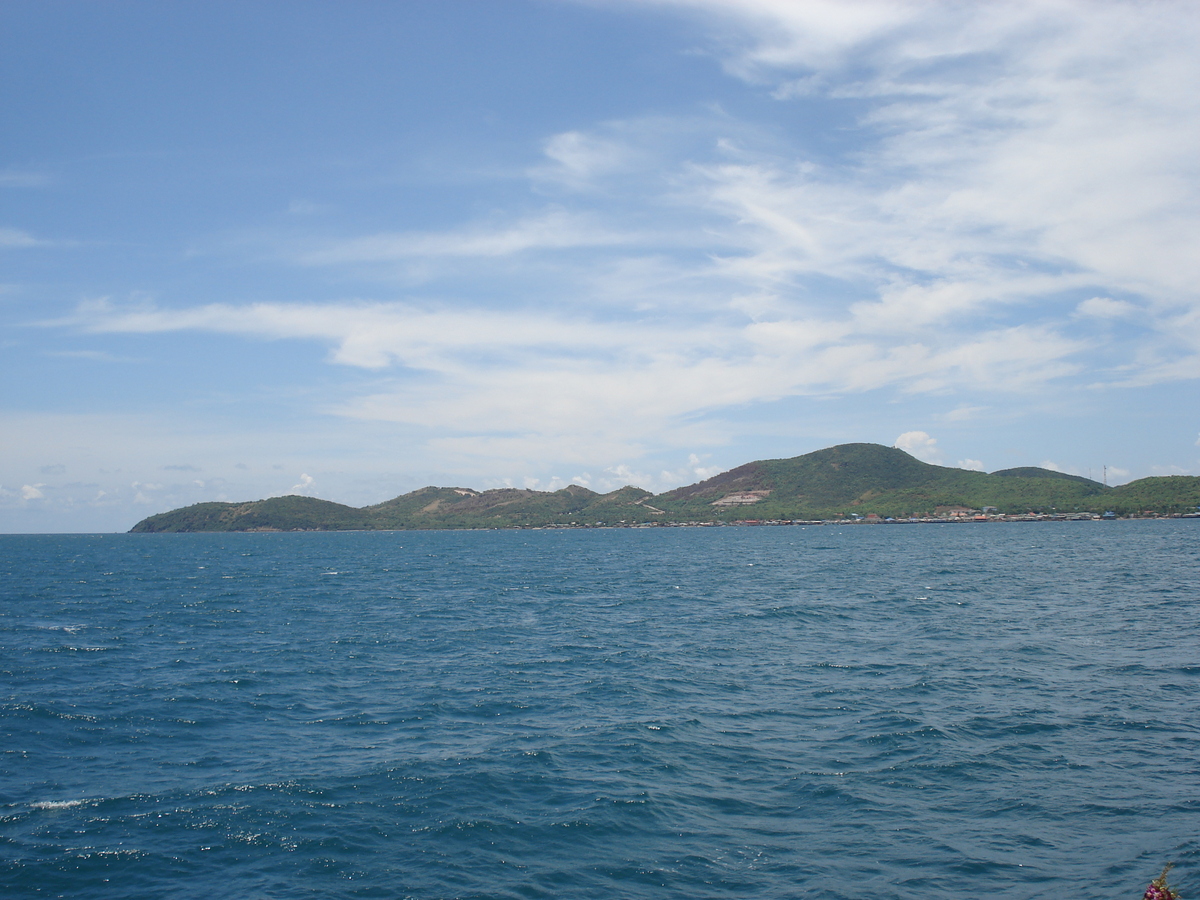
(551, 230)
(1016, 160)
(579, 384)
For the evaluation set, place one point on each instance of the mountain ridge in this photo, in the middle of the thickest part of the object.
(836, 482)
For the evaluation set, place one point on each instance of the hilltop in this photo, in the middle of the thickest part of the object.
(846, 480)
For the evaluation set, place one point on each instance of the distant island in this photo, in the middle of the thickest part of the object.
(849, 482)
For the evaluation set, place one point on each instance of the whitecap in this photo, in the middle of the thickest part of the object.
(70, 629)
(57, 804)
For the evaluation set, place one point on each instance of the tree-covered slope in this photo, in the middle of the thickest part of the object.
(429, 507)
(291, 513)
(849, 479)
(464, 508)
(1162, 494)
(861, 478)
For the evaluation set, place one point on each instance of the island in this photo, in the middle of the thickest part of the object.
(862, 483)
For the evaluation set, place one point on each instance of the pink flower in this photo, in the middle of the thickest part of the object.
(1159, 889)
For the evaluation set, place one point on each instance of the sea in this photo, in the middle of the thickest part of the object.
(855, 711)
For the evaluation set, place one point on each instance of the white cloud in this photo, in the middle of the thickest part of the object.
(507, 370)
(964, 413)
(1117, 475)
(920, 445)
(552, 230)
(1111, 475)
(974, 465)
(1105, 308)
(305, 484)
(993, 179)
(1016, 151)
(994, 165)
(578, 157)
(13, 238)
(522, 391)
(701, 471)
(32, 492)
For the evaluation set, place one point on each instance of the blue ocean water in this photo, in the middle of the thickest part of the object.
(990, 711)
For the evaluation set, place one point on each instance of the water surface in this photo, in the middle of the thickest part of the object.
(1001, 711)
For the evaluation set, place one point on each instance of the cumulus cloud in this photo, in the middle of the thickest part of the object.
(144, 491)
(702, 471)
(303, 486)
(920, 445)
(974, 465)
(32, 492)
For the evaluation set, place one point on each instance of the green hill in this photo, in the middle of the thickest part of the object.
(1162, 494)
(429, 507)
(290, 513)
(869, 478)
(849, 479)
(464, 508)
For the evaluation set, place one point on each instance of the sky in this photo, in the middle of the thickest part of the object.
(351, 249)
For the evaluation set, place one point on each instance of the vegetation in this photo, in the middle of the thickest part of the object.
(847, 480)
(857, 479)
(1164, 495)
(290, 513)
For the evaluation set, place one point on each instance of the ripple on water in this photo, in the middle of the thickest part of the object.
(691, 713)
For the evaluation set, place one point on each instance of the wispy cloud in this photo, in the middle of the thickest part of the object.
(552, 230)
(1010, 162)
(93, 355)
(1106, 308)
(534, 384)
(14, 238)
(577, 158)
(21, 178)
(1011, 153)
(980, 204)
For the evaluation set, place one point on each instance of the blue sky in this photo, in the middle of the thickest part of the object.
(351, 249)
